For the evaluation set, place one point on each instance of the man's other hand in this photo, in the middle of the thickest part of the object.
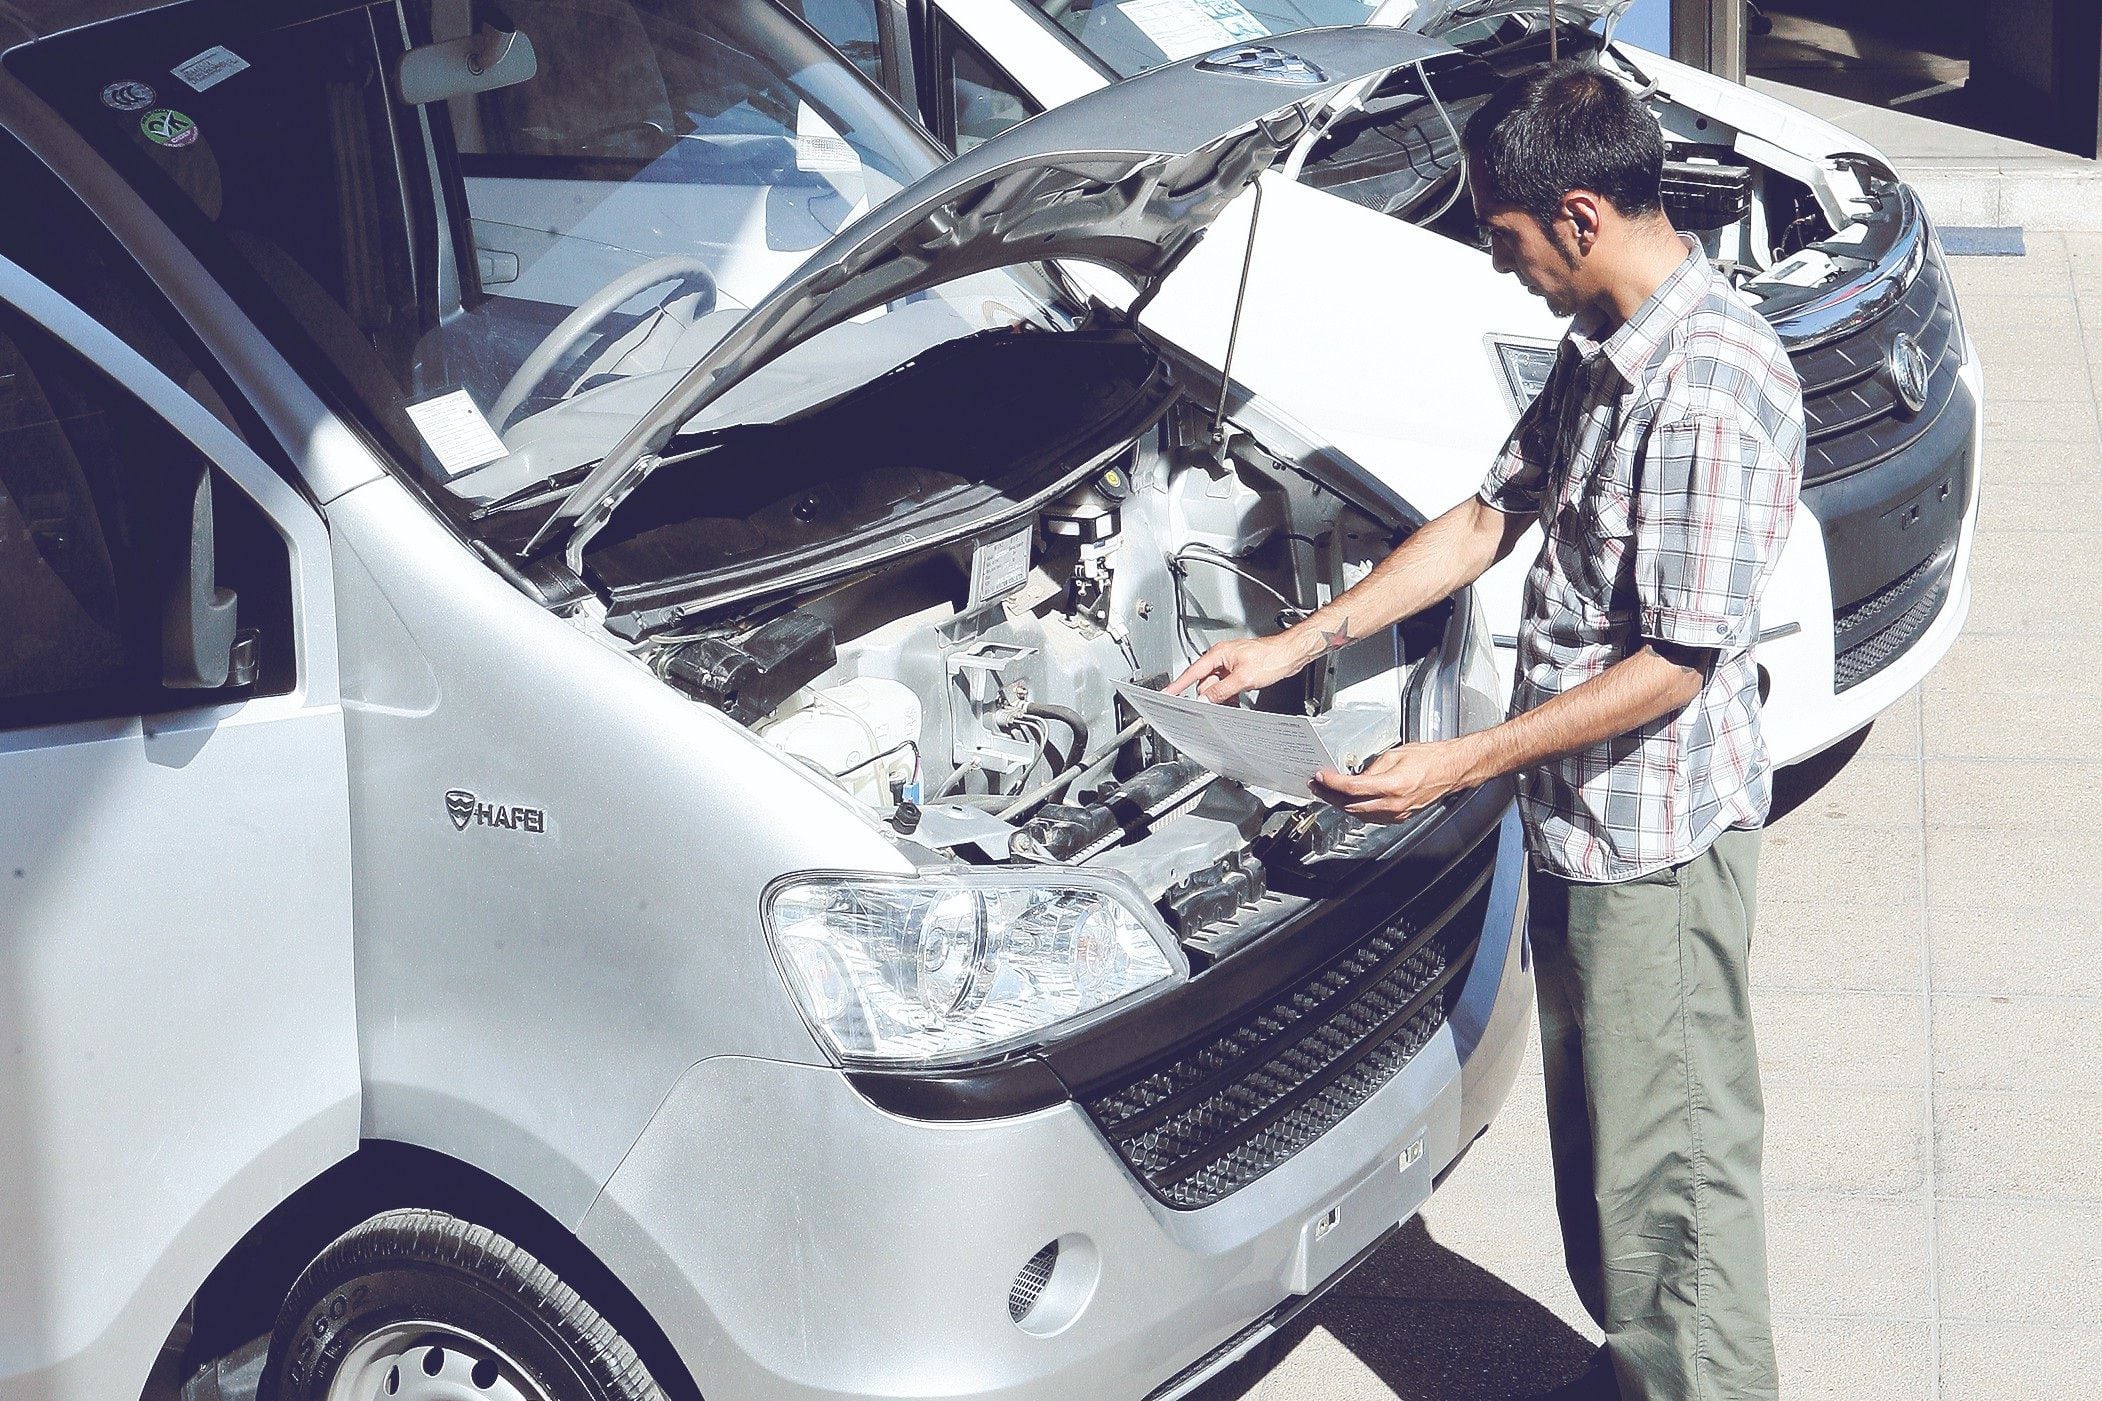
(1245, 664)
(1405, 780)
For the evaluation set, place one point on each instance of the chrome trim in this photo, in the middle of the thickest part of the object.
(1873, 291)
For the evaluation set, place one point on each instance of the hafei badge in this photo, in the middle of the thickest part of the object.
(164, 126)
(1265, 64)
(466, 810)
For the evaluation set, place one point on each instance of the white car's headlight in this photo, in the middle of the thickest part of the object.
(960, 965)
(1525, 366)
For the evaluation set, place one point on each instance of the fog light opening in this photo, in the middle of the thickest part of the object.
(1053, 1286)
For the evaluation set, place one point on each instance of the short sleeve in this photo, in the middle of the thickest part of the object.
(1519, 473)
(1711, 513)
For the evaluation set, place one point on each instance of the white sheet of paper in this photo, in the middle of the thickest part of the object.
(1279, 752)
(458, 435)
(1180, 28)
(819, 146)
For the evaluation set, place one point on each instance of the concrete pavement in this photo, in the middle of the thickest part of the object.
(1928, 972)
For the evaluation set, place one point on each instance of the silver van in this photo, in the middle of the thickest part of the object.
(566, 831)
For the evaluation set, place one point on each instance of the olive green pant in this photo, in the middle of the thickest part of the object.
(1655, 1117)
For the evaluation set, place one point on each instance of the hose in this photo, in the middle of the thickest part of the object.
(1052, 787)
(1071, 720)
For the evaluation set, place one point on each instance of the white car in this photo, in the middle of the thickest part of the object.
(1367, 242)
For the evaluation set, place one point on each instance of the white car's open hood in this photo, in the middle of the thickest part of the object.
(1128, 177)
(1440, 16)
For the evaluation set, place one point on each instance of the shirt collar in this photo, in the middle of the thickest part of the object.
(1631, 345)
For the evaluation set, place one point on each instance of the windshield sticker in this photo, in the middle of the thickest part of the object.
(456, 433)
(819, 146)
(164, 126)
(1180, 28)
(215, 65)
(128, 96)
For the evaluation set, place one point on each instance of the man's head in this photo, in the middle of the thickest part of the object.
(1564, 166)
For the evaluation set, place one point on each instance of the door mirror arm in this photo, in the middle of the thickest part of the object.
(200, 647)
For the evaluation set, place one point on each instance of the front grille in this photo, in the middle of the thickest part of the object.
(1851, 410)
(1217, 1114)
(1892, 617)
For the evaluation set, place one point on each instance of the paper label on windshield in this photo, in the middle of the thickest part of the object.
(998, 569)
(1180, 28)
(818, 146)
(210, 68)
(457, 434)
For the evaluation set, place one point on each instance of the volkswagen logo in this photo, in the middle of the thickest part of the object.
(1265, 64)
(1908, 372)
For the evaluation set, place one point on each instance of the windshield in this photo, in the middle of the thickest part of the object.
(506, 233)
(1132, 36)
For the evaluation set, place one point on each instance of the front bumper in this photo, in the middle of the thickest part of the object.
(797, 1242)
(1872, 533)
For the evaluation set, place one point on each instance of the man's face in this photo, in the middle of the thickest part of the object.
(1545, 260)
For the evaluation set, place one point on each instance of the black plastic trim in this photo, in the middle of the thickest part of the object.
(1871, 538)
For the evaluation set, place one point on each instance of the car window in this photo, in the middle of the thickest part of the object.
(1132, 36)
(496, 281)
(983, 100)
(849, 26)
(93, 523)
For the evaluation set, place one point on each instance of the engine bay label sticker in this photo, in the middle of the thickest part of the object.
(1180, 28)
(999, 568)
(456, 433)
(210, 68)
(128, 95)
(164, 126)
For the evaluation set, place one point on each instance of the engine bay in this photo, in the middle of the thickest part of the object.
(964, 692)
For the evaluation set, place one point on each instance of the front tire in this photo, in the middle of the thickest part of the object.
(422, 1306)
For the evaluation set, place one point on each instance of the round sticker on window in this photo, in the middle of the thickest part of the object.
(128, 96)
(164, 126)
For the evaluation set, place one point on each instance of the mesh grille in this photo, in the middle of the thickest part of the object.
(1029, 1283)
(1865, 658)
(1850, 408)
(1219, 1114)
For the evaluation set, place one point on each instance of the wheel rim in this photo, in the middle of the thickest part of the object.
(419, 1361)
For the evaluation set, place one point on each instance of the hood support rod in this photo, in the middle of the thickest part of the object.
(1233, 330)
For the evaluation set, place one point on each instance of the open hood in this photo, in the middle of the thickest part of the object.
(1441, 16)
(1128, 177)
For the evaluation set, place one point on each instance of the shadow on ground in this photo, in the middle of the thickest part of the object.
(1431, 1325)
(1799, 783)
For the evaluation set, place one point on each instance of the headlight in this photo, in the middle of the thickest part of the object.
(1525, 365)
(961, 965)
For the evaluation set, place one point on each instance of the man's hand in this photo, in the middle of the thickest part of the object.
(1244, 664)
(1405, 780)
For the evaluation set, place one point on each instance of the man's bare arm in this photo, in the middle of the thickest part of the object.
(1446, 555)
(1631, 693)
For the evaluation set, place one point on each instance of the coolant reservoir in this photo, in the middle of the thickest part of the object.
(844, 729)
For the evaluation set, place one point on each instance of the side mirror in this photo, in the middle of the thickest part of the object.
(198, 641)
(485, 60)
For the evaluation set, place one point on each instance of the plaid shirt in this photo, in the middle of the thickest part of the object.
(1663, 464)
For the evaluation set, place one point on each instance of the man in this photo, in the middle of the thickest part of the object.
(1661, 462)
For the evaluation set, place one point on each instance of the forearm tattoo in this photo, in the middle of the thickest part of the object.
(1336, 639)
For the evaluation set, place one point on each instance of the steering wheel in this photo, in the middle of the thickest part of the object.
(676, 267)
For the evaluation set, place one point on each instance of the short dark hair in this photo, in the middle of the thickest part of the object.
(1569, 126)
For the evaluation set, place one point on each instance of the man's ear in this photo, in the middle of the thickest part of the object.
(1585, 212)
